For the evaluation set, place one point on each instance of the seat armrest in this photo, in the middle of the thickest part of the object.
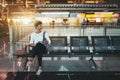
(27, 48)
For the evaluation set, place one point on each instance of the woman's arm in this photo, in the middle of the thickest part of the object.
(48, 39)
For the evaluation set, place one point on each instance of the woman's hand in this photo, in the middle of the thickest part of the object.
(45, 42)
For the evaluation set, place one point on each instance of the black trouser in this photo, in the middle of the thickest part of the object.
(38, 50)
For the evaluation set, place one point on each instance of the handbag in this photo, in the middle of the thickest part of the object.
(48, 46)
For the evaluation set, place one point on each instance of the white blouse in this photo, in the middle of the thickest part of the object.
(38, 37)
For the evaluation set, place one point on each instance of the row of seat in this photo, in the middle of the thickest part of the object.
(81, 44)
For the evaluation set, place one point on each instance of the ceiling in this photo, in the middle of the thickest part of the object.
(8, 6)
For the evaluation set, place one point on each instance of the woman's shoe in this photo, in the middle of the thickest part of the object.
(39, 71)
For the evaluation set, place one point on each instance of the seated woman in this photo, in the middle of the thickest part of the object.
(37, 43)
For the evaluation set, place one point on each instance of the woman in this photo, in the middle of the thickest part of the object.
(37, 43)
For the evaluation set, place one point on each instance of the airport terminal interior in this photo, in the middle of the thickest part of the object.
(84, 34)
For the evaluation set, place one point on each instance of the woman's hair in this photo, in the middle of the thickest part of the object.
(37, 23)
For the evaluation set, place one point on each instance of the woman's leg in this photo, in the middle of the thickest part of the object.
(38, 50)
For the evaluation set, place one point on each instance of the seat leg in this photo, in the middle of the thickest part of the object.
(92, 63)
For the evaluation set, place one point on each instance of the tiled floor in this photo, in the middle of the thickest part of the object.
(63, 70)
(49, 65)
